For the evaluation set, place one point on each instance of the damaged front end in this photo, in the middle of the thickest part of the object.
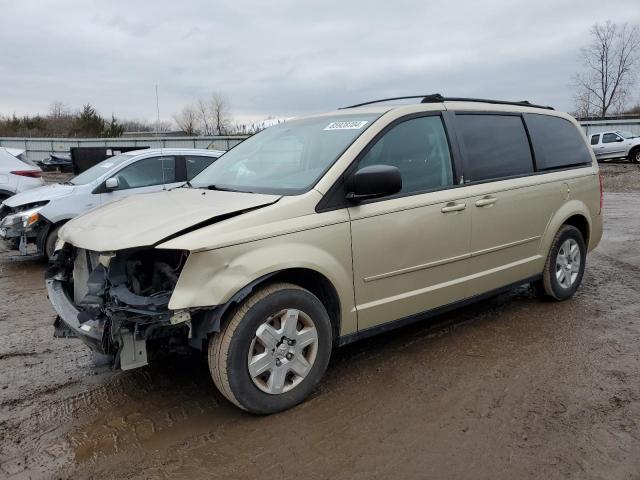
(22, 224)
(116, 302)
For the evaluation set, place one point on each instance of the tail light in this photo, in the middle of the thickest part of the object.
(28, 173)
(601, 177)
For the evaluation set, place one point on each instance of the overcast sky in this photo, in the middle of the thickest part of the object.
(289, 57)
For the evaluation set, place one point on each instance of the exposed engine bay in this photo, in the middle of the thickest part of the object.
(120, 301)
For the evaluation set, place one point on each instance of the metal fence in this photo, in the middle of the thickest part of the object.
(40, 148)
(594, 126)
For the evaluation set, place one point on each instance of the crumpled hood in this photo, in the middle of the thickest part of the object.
(40, 194)
(146, 219)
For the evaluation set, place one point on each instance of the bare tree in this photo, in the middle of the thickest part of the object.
(58, 109)
(219, 109)
(161, 126)
(204, 116)
(610, 65)
(187, 120)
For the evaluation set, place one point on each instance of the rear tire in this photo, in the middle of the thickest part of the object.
(564, 268)
(273, 351)
(634, 155)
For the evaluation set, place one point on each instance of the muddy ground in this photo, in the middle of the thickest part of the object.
(513, 387)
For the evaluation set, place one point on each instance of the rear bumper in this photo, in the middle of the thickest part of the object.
(92, 332)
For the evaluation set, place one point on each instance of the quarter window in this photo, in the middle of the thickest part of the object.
(496, 146)
(419, 149)
(557, 142)
(147, 172)
(609, 138)
(595, 139)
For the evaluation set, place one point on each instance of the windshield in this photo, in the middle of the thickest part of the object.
(98, 170)
(625, 134)
(285, 159)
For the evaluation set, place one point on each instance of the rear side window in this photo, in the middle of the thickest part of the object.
(595, 139)
(557, 142)
(196, 164)
(495, 146)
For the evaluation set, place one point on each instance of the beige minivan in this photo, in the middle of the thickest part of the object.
(327, 229)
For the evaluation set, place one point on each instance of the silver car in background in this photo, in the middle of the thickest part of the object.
(36, 216)
(616, 144)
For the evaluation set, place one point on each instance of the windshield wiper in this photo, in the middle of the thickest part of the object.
(221, 189)
(67, 183)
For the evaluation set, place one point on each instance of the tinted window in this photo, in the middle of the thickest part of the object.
(196, 164)
(495, 146)
(147, 172)
(595, 139)
(419, 149)
(557, 142)
(609, 138)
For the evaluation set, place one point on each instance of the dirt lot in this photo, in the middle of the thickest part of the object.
(513, 387)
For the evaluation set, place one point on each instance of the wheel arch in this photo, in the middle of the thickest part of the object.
(574, 213)
(6, 193)
(318, 284)
(581, 223)
(44, 233)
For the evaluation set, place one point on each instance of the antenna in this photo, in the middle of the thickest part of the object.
(157, 111)
(164, 182)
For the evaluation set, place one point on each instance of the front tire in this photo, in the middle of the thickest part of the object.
(49, 244)
(564, 268)
(273, 351)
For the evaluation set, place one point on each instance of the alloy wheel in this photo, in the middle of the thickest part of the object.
(568, 263)
(283, 351)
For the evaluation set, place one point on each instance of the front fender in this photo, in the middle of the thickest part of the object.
(213, 277)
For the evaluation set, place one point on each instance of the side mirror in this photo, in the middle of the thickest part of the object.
(373, 182)
(619, 139)
(112, 183)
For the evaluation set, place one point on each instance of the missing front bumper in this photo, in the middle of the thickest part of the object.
(95, 332)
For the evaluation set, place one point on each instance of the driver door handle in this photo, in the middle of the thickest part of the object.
(453, 207)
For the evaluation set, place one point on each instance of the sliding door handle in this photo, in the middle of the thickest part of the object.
(486, 202)
(453, 207)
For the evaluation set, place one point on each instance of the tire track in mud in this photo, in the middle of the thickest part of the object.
(512, 387)
(491, 347)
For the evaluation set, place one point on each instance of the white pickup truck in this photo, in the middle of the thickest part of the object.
(616, 144)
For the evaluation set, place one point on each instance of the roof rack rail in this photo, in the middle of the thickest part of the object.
(437, 98)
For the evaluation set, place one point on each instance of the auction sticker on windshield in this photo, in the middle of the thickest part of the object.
(353, 125)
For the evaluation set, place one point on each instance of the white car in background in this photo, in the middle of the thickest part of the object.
(17, 174)
(36, 216)
(616, 144)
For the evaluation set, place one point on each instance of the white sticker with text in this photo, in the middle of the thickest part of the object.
(353, 125)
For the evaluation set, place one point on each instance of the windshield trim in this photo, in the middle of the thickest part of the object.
(291, 192)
